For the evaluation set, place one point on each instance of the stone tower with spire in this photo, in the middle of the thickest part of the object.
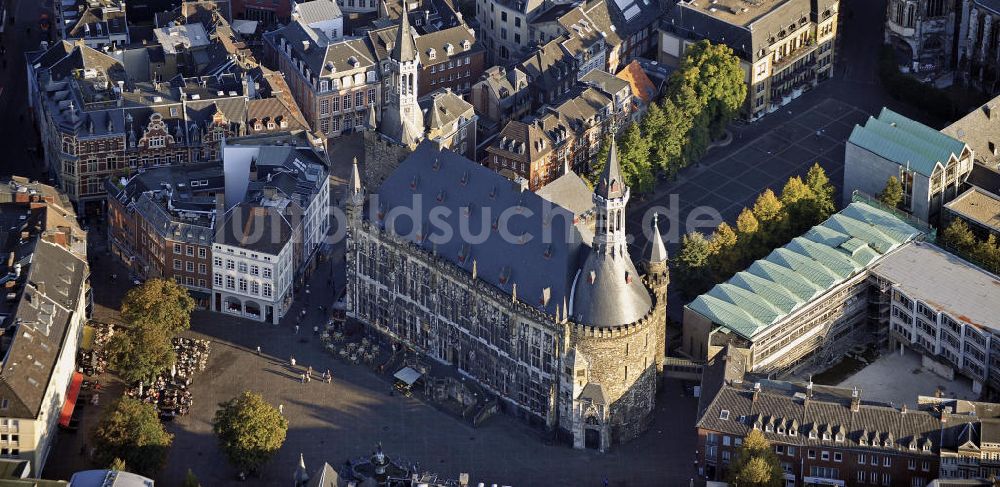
(392, 137)
(656, 267)
(617, 324)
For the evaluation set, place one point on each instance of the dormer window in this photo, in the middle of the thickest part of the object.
(826, 436)
(724, 415)
(466, 45)
(839, 437)
(450, 49)
(769, 428)
(431, 53)
(812, 434)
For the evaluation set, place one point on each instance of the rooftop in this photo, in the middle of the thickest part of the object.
(742, 12)
(792, 276)
(906, 142)
(980, 129)
(539, 253)
(927, 273)
(979, 206)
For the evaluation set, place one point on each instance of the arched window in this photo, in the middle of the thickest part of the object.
(910, 18)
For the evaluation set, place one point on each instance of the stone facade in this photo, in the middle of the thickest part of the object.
(921, 31)
(593, 382)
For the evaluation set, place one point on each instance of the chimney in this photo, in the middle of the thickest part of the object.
(988, 111)
(756, 390)
(902, 410)
(463, 480)
(855, 400)
(809, 388)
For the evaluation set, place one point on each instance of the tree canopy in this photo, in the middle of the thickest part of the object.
(770, 222)
(756, 464)
(892, 194)
(140, 353)
(958, 238)
(159, 302)
(703, 96)
(250, 431)
(130, 433)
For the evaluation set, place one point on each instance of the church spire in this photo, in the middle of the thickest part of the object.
(610, 197)
(405, 48)
(355, 193)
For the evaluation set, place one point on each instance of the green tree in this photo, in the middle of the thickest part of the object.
(756, 464)
(159, 302)
(668, 147)
(250, 430)
(190, 480)
(892, 194)
(633, 154)
(772, 217)
(987, 254)
(823, 193)
(798, 200)
(118, 464)
(693, 263)
(958, 237)
(748, 237)
(725, 254)
(719, 81)
(140, 353)
(132, 433)
(597, 164)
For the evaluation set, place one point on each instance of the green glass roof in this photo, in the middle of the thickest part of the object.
(906, 142)
(792, 276)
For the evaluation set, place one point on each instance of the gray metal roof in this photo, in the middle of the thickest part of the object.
(318, 11)
(546, 257)
(925, 272)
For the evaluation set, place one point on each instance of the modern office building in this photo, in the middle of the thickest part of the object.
(931, 166)
(943, 307)
(803, 305)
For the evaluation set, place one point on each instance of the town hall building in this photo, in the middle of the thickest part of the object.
(542, 310)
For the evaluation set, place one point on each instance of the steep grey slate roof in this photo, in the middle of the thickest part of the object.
(784, 404)
(446, 180)
(52, 277)
(608, 290)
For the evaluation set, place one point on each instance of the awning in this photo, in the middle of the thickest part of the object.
(407, 375)
(71, 395)
(87, 340)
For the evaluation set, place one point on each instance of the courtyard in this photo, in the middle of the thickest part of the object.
(896, 378)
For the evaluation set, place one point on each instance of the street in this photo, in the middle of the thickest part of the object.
(18, 135)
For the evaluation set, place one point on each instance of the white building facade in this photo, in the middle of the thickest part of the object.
(251, 284)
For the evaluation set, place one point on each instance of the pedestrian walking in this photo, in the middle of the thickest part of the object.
(296, 329)
(292, 361)
(258, 350)
(316, 330)
(281, 409)
(329, 377)
(302, 378)
(308, 378)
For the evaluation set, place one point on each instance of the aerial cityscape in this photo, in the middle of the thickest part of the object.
(499, 243)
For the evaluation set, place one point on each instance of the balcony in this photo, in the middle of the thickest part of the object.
(800, 52)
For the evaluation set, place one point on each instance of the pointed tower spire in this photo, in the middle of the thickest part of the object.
(372, 123)
(405, 48)
(611, 184)
(301, 476)
(356, 193)
(657, 251)
(610, 198)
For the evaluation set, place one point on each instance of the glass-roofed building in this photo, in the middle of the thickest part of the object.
(805, 303)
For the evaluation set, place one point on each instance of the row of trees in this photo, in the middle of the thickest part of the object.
(772, 221)
(131, 437)
(703, 96)
(958, 238)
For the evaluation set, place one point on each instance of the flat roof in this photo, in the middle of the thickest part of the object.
(738, 12)
(793, 276)
(927, 273)
(979, 206)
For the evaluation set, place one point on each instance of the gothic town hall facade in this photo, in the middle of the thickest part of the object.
(457, 262)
